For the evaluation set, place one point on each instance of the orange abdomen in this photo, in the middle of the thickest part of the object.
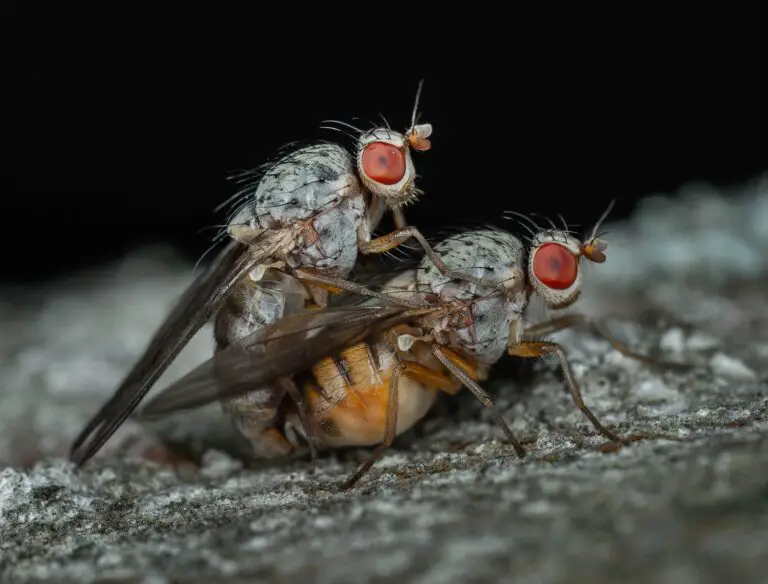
(347, 396)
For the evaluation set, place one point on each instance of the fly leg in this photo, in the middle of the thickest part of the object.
(390, 426)
(336, 285)
(391, 240)
(419, 372)
(408, 369)
(432, 379)
(304, 417)
(536, 349)
(255, 414)
(571, 320)
(465, 373)
(319, 296)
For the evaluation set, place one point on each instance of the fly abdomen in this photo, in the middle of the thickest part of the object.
(347, 396)
(251, 306)
(352, 373)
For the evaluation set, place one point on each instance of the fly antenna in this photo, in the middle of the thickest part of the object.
(416, 103)
(603, 217)
(594, 249)
(418, 136)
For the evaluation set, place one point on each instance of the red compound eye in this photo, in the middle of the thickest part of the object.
(555, 266)
(383, 163)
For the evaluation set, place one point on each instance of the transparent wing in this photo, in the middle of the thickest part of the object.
(192, 311)
(292, 344)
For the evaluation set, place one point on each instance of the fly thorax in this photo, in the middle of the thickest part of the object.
(494, 257)
(329, 241)
(297, 186)
(486, 337)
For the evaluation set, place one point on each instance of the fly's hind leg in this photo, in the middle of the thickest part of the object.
(390, 427)
(304, 416)
(435, 380)
(256, 414)
(319, 285)
(536, 349)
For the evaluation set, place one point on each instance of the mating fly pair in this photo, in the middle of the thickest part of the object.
(364, 373)
(358, 374)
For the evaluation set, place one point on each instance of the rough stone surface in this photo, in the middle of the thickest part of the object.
(687, 501)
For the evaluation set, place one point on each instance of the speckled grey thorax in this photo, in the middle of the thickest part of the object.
(315, 190)
(493, 256)
(332, 244)
(299, 185)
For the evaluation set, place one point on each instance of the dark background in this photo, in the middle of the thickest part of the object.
(107, 149)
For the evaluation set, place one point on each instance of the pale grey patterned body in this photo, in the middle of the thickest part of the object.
(494, 257)
(321, 206)
(296, 234)
(315, 192)
(299, 185)
(251, 306)
(497, 258)
(366, 389)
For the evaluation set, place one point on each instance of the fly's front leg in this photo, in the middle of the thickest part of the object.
(336, 285)
(571, 320)
(536, 349)
(467, 374)
(392, 240)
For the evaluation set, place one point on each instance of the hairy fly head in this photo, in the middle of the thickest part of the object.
(554, 261)
(384, 160)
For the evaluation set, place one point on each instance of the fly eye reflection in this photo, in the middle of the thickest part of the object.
(383, 163)
(555, 266)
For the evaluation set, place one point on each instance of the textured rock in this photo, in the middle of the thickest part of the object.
(687, 501)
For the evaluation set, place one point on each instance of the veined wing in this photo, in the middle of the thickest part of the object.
(192, 311)
(291, 345)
